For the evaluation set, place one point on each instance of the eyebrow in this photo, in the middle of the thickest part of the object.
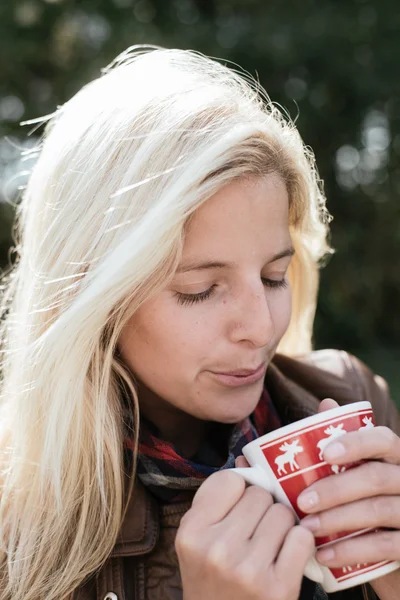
(212, 264)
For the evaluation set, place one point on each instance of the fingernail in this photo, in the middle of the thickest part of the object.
(312, 523)
(325, 555)
(307, 500)
(334, 450)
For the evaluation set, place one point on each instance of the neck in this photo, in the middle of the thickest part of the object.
(183, 430)
(186, 432)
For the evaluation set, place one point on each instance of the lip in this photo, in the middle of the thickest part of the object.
(240, 377)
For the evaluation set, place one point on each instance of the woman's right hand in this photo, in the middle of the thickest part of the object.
(235, 542)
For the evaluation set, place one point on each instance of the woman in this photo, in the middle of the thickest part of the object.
(170, 237)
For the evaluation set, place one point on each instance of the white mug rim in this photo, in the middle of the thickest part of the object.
(301, 424)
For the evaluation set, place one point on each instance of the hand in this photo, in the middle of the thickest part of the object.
(236, 543)
(367, 496)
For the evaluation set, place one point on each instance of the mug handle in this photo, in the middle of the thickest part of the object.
(257, 476)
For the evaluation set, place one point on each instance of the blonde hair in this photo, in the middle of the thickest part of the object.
(123, 165)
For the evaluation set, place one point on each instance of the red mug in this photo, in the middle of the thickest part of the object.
(288, 460)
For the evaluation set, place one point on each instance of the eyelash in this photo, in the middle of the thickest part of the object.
(189, 299)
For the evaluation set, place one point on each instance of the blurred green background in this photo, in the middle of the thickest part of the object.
(333, 65)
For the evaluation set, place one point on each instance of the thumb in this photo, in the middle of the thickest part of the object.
(327, 404)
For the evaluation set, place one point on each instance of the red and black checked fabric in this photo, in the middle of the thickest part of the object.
(173, 478)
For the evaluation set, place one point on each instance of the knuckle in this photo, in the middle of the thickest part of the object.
(227, 481)
(388, 438)
(219, 556)
(183, 543)
(304, 538)
(382, 510)
(376, 476)
(186, 542)
(283, 514)
(386, 543)
(259, 496)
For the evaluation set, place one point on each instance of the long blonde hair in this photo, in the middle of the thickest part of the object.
(122, 166)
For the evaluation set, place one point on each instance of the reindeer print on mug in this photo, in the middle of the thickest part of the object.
(289, 456)
(332, 432)
(303, 452)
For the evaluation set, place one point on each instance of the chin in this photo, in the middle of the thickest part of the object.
(237, 413)
(233, 420)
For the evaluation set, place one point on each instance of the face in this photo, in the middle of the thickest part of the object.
(200, 348)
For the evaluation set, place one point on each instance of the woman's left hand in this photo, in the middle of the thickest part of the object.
(367, 496)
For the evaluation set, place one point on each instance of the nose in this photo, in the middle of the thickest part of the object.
(252, 320)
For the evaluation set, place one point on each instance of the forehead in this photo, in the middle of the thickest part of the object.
(245, 214)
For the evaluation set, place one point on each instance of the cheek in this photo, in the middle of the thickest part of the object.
(281, 308)
(165, 335)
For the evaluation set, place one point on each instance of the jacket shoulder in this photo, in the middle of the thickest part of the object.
(340, 375)
(360, 380)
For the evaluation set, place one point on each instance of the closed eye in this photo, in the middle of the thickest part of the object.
(275, 284)
(189, 299)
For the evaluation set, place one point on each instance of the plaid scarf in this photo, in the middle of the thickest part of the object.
(172, 478)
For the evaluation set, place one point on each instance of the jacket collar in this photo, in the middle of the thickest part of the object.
(140, 527)
(292, 401)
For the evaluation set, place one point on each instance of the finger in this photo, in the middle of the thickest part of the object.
(373, 478)
(271, 533)
(297, 549)
(381, 511)
(287, 569)
(327, 404)
(242, 521)
(241, 462)
(376, 443)
(215, 498)
(367, 548)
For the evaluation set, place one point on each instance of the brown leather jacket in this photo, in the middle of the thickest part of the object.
(144, 565)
